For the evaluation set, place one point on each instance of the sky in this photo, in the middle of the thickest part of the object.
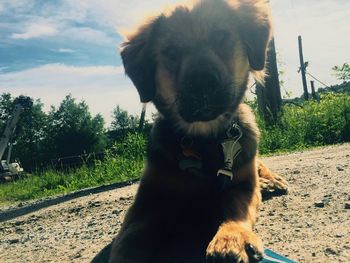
(51, 48)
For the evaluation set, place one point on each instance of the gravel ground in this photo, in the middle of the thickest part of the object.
(310, 224)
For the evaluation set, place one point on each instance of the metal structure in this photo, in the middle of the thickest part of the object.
(20, 104)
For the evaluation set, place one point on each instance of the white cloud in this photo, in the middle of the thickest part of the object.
(65, 50)
(36, 30)
(120, 13)
(87, 34)
(102, 87)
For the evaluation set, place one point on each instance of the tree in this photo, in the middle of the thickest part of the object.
(30, 136)
(5, 109)
(29, 132)
(122, 120)
(71, 130)
(342, 72)
(122, 124)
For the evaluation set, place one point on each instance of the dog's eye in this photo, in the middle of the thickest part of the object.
(171, 53)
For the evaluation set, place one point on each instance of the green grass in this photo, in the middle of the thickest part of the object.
(125, 165)
(314, 124)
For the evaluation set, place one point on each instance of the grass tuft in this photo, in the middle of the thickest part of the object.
(127, 164)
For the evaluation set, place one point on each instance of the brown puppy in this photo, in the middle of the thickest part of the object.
(199, 194)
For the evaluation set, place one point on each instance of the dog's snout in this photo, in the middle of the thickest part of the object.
(202, 81)
(202, 95)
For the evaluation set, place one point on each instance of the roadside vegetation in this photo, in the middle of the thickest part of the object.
(123, 162)
(308, 125)
(71, 130)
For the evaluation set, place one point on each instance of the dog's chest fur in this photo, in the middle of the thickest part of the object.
(166, 152)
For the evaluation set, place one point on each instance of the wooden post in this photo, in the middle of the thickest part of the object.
(302, 68)
(142, 117)
(313, 92)
(269, 95)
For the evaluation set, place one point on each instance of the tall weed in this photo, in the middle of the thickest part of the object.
(313, 124)
(124, 162)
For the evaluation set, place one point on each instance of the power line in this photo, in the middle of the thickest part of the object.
(317, 79)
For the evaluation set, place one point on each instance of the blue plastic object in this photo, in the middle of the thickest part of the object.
(273, 257)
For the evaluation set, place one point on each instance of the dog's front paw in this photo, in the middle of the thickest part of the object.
(234, 244)
(270, 182)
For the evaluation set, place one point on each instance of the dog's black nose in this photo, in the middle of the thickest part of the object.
(202, 81)
(201, 96)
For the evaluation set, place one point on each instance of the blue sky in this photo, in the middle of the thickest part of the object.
(49, 48)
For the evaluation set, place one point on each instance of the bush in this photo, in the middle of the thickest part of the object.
(124, 162)
(313, 124)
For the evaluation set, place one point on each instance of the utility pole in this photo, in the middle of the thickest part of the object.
(269, 95)
(303, 68)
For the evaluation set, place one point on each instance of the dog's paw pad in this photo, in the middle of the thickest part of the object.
(253, 253)
(234, 245)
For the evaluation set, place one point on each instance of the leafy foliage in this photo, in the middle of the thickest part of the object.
(122, 124)
(313, 124)
(122, 163)
(73, 130)
(68, 130)
(342, 72)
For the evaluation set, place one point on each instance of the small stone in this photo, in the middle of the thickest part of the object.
(319, 204)
(19, 230)
(91, 223)
(313, 254)
(18, 223)
(13, 241)
(347, 206)
(340, 168)
(330, 251)
(339, 235)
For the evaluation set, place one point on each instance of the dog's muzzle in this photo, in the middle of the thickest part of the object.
(202, 96)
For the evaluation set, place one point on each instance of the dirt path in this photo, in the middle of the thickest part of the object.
(310, 224)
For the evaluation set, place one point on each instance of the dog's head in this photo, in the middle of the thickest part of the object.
(194, 63)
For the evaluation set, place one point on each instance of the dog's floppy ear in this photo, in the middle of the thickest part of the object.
(255, 29)
(139, 59)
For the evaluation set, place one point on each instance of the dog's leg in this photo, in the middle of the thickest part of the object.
(270, 182)
(235, 240)
(135, 241)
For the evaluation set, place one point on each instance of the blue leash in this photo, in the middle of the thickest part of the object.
(272, 257)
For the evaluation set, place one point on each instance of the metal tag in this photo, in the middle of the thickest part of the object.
(231, 148)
